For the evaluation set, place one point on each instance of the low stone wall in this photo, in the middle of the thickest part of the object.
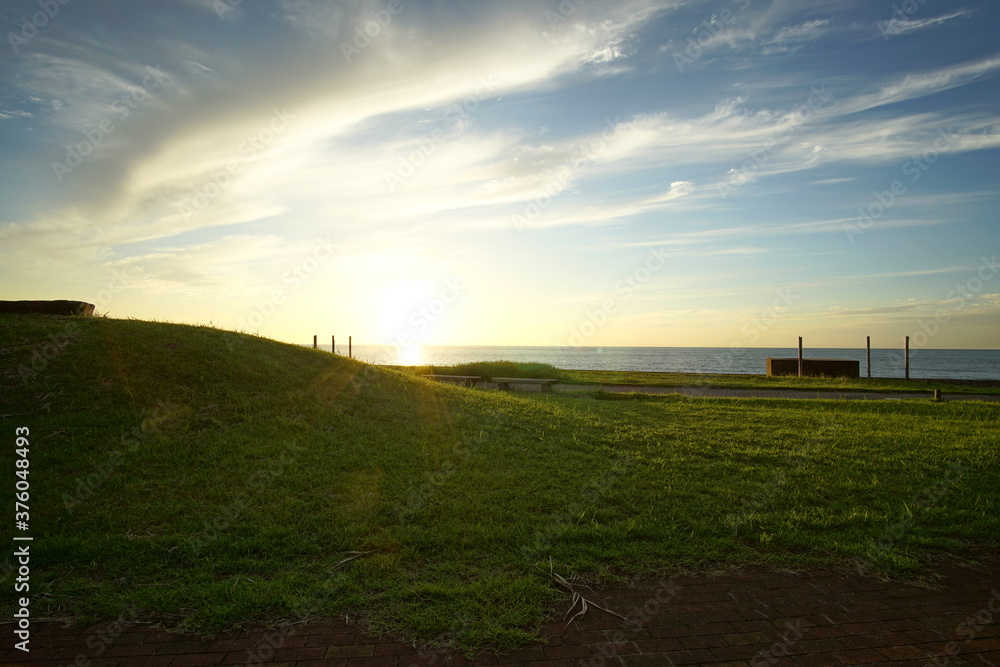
(60, 307)
(834, 368)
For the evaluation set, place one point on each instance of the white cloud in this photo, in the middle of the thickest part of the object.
(901, 26)
(649, 173)
(80, 94)
(335, 20)
(14, 113)
(607, 53)
(922, 84)
(232, 266)
(804, 32)
(767, 31)
(174, 149)
(792, 38)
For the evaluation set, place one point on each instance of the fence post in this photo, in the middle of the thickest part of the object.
(868, 354)
(333, 344)
(800, 356)
(315, 339)
(349, 352)
(907, 358)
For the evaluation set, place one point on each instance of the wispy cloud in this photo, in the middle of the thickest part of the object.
(417, 146)
(901, 26)
(792, 38)
(170, 151)
(231, 266)
(918, 85)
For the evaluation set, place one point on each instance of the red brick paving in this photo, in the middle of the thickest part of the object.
(748, 618)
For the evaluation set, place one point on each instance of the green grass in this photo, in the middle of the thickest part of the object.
(217, 480)
(489, 369)
(765, 382)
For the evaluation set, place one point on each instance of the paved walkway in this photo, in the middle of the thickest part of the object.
(716, 392)
(744, 617)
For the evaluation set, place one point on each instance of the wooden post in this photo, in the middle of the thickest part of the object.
(907, 358)
(349, 352)
(800, 356)
(333, 344)
(315, 339)
(868, 353)
(937, 394)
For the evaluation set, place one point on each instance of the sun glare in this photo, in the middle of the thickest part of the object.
(409, 355)
(397, 309)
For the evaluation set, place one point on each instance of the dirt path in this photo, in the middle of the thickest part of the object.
(751, 616)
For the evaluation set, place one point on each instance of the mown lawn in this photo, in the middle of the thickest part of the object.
(488, 369)
(889, 385)
(215, 480)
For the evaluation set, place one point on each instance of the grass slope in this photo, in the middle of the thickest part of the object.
(215, 480)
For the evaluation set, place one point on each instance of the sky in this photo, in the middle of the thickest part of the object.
(723, 173)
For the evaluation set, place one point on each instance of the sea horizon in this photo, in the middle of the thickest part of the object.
(925, 363)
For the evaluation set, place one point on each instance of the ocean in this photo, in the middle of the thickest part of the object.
(930, 364)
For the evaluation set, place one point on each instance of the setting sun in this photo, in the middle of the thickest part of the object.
(395, 305)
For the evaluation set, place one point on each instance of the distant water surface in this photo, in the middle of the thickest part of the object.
(950, 364)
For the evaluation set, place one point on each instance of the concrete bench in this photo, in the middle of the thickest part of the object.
(545, 384)
(464, 380)
(833, 368)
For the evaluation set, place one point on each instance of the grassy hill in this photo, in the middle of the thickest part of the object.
(212, 480)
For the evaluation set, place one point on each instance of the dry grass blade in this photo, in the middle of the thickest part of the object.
(585, 604)
(583, 607)
(356, 554)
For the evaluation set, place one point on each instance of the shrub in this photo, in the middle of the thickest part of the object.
(491, 369)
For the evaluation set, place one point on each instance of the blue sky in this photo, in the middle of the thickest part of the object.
(665, 173)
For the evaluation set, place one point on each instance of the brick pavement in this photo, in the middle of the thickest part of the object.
(750, 616)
